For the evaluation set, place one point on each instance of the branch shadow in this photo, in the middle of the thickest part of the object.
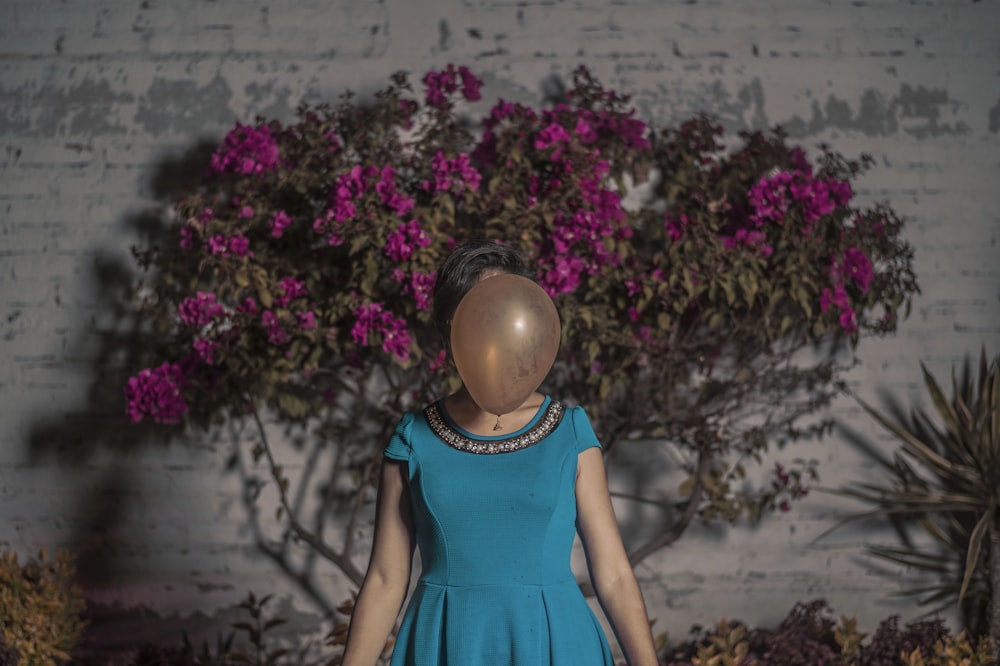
(92, 444)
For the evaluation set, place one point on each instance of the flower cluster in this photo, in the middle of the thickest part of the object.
(854, 267)
(452, 175)
(772, 197)
(200, 310)
(373, 318)
(246, 150)
(157, 393)
(405, 240)
(440, 85)
(738, 245)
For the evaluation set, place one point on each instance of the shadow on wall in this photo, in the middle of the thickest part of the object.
(84, 438)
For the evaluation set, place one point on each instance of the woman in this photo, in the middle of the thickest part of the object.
(495, 530)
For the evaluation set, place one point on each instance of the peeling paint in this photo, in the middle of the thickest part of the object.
(269, 100)
(917, 111)
(181, 107)
(89, 107)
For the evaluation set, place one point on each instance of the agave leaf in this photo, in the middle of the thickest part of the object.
(941, 403)
(975, 546)
(925, 454)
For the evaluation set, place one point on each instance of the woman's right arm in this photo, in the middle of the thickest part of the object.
(388, 577)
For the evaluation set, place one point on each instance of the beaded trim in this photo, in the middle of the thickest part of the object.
(550, 419)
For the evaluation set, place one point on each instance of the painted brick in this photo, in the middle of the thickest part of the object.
(99, 98)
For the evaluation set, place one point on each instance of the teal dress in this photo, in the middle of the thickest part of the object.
(495, 519)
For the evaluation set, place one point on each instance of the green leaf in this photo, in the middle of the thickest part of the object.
(975, 546)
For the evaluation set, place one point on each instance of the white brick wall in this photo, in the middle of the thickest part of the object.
(97, 96)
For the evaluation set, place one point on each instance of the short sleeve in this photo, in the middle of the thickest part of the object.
(399, 444)
(584, 434)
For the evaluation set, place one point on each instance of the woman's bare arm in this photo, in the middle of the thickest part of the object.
(611, 573)
(388, 577)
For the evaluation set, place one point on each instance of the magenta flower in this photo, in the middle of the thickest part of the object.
(196, 312)
(290, 290)
(279, 223)
(187, 237)
(157, 393)
(550, 136)
(564, 276)
(246, 150)
(373, 318)
(837, 297)
(206, 348)
(248, 306)
(849, 321)
(386, 189)
(218, 245)
(584, 131)
(246, 212)
(675, 226)
(858, 267)
(470, 84)
(437, 363)
(240, 246)
(439, 85)
(307, 320)
(401, 244)
(275, 334)
(421, 287)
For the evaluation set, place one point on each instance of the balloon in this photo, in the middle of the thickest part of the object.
(504, 339)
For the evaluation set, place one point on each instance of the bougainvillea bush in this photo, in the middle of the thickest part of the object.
(293, 286)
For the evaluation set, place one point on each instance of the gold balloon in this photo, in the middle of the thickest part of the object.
(504, 339)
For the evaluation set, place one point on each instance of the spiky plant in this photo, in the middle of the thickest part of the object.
(945, 478)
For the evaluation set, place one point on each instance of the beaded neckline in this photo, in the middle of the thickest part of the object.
(446, 433)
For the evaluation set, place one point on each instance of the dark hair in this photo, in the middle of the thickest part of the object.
(463, 268)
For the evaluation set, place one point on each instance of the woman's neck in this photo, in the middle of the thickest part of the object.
(464, 411)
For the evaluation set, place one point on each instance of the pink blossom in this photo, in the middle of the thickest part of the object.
(437, 363)
(240, 246)
(386, 189)
(275, 334)
(248, 306)
(584, 131)
(849, 321)
(246, 212)
(307, 320)
(187, 237)
(564, 276)
(246, 150)
(218, 245)
(206, 348)
(157, 393)
(552, 135)
(279, 223)
(838, 298)
(858, 267)
(439, 85)
(400, 244)
(291, 289)
(372, 318)
(196, 312)
(675, 226)
(632, 287)
(633, 314)
(470, 84)
(206, 215)
(421, 287)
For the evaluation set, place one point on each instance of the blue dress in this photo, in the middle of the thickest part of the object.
(495, 519)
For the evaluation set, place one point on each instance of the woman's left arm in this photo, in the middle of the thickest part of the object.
(610, 571)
